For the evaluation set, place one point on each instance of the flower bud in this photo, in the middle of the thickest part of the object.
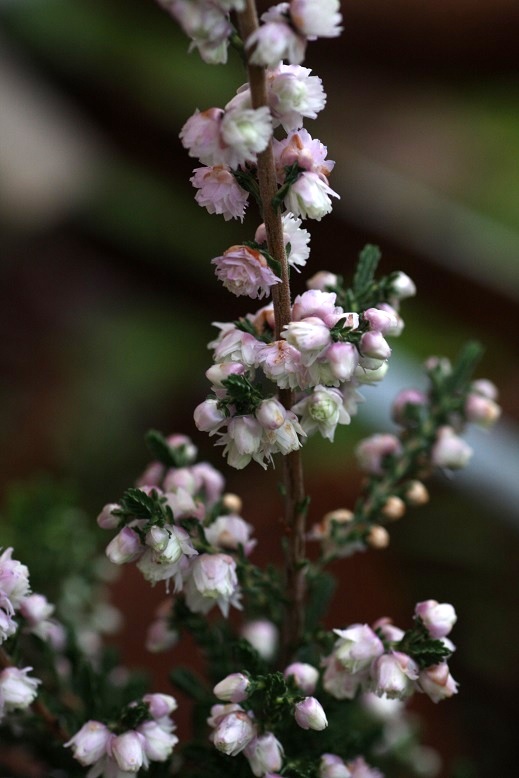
(372, 451)
(416, 494)
(402, 286)
(233, 733)
(378, 537)
(263, 636)
(265, 754)
(124, 547)
(271, 414)
(208, 416)
(323, 280)
(485, 388)
(343, 359)
(232, 503)
(233, 688)
(106, 519)
(438, 618)
(402, 410)
(373, 344)
(394, 508)
(309, 714)
(450, 450)
(381, 321)
(246, 432)
(305, 676)
(158, 743)
(481, 410)
(160, 705)
(35, 608)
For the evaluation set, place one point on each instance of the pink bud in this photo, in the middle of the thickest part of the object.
(305, 676)
(402, 286)
(439, 618)
(309, 714)
(160, 704)
(233, 733)
(380, 320)
(222, 370)
(322, 281)
(263, 636)
(343, 359)
(373, 344)
(450, 450)
(265, 754)
(271, 414)
(233, 688)
(208, 416)
(372, 451)
(106, 519)
(405, 399)
(332, 766)
(124, 547)
(481, 410)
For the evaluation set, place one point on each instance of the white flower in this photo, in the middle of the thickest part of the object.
(212, 581)
(393, 675)
(322, 410)
(233, 728)
(17, 690)
(14, 578)
(89, 744)
(158, 743)
(309, 197)
(294, 94)
(128, 751)
(246, 132)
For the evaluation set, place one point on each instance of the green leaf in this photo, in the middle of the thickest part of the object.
(242, 394)
(369, 258)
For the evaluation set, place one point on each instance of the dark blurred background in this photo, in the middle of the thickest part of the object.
(107, 293)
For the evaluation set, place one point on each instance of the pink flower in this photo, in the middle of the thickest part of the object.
(393, 675)
(322, 410)
(295, 238)
(200, 135)
(244, 271)
(332, 766)
(89, 744)
(309, 153)
(219, 192)
(263, 636)
(158, 743)
(128, 751)
(206, 23)
(373, 344)
(124, 547)
(359, 768)
(357, 647)
(437, 682)
(212, 581)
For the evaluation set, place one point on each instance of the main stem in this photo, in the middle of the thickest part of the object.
(294, 493)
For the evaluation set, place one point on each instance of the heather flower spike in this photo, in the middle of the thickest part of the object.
(288, 368)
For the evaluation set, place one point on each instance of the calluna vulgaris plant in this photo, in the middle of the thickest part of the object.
(290, 697)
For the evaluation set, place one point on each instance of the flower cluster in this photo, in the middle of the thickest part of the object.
(392, 663)
(123, 751)
(177, 527)
(324, 353)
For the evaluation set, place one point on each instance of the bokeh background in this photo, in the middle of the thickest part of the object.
(107, 294)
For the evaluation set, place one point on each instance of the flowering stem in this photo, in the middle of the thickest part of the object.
(294, 493)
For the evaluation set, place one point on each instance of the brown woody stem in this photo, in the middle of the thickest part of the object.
(294, 493)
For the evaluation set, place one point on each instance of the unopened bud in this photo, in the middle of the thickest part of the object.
(322, 280)
(232, 503)
(305, 676)
(378, 537)
(416, 494)
(394, 508)
(309, 714)
(233, 688)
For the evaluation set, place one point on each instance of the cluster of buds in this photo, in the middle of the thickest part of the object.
(123, 749)
(392, 663)
(172, 528)
(324, 353)
(235, 728)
